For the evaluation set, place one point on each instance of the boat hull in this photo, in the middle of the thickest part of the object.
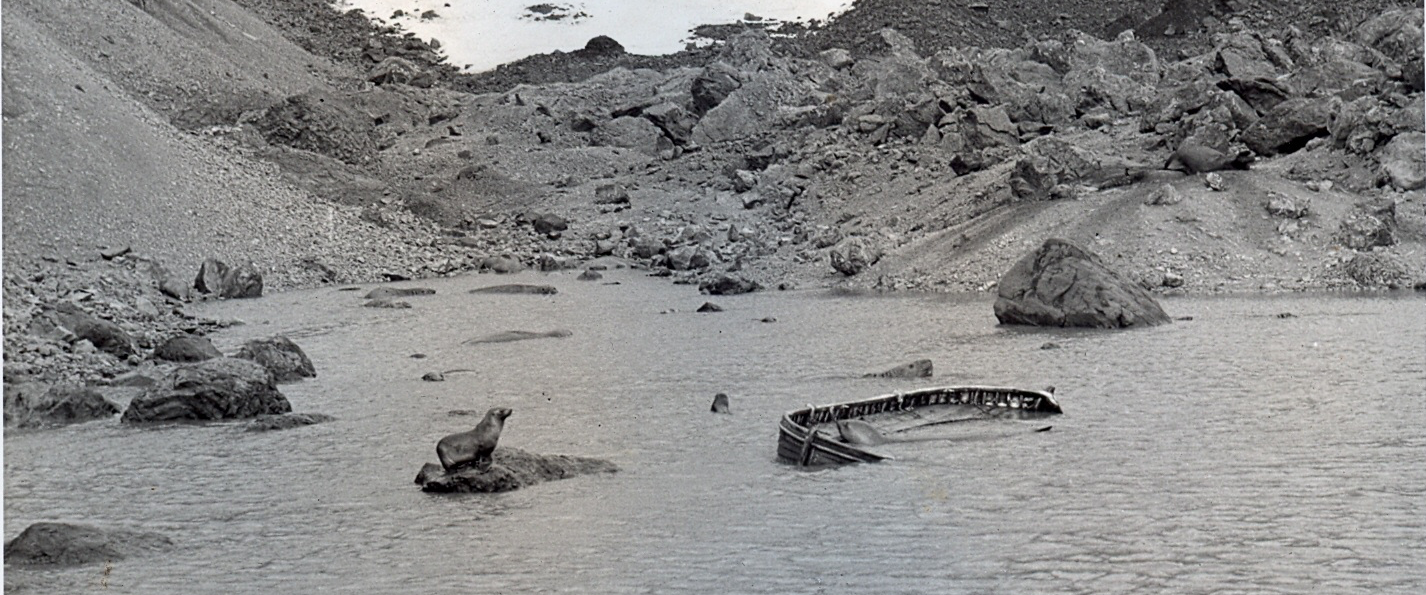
(801, 440)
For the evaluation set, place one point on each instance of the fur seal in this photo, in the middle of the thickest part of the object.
(856, 431)
(473, 448)
(1194, 158)
(720, 403)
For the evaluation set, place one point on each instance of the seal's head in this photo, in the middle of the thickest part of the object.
(720, 403)
(499, 413)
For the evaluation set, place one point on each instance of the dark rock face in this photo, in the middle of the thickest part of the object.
(395, 292)
(187, 349)
(217, 278)
(518, 288)
(35, 404)
(283, 358)
(65, 544)
(217, 389)
(920, 368)
(105, 335)
(287, 421)
(512, 469)
(1289, 125)
(1061, 284)
(728, 285)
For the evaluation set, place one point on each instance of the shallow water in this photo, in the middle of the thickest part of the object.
(482, 34)
(1237, 452)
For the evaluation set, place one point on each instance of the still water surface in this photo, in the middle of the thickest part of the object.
(1234, 453)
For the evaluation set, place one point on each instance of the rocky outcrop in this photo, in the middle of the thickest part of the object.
(218, 279)
(518, 288)
(217, 389)
(1061, 284)
(186, 349)
(512, 469)
(35, 404)
(286, 421)
(66, 544)
(920, 368)
(1378, 270)
(280, 356)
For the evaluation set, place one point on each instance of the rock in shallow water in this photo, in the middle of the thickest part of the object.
(217, 389)
(65, 544)
(513, 469)
(1061, 284)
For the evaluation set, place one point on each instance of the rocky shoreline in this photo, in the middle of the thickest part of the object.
(850, 155)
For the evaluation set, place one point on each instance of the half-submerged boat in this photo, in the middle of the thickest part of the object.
(811, 436)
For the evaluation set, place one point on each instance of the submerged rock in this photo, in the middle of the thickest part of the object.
(217, 389)
(509, 336)
(65, 544)
(920, 368)
(517, 288)
(35, 404)
(286, 421)
(1061, 284)
(280, 356)
(395, 292)
(512, 469)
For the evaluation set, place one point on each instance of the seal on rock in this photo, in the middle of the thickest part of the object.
(720, 403)
(473, 448)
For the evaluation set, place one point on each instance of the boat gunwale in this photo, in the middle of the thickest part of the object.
(855, 453)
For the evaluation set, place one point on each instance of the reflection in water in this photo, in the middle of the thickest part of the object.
(1238, 451)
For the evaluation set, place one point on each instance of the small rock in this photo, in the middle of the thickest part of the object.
(589, 275)
(280, 356)
(187, 348)
(710, 307)
(434, 377)
(1214, 181)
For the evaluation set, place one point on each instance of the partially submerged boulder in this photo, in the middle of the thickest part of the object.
(187, 349)
(920, 368)
(217, 389)
(513, 469)
(217, 278)
(283, 358)
(286, 421)
(1061, 284)
(518, 288)
(395, 292)
(66, 544)
(35, 404)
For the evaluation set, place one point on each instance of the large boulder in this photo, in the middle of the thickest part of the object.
(1403, 161)
(854, 256)
(34, 404)
(105, 335)
(187, 349)
(283, 358)
(512, 469)
(217, 389)
(1288, 126)
(1061, 284)
(217, 278)
(1378, 270)
(66, 544)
